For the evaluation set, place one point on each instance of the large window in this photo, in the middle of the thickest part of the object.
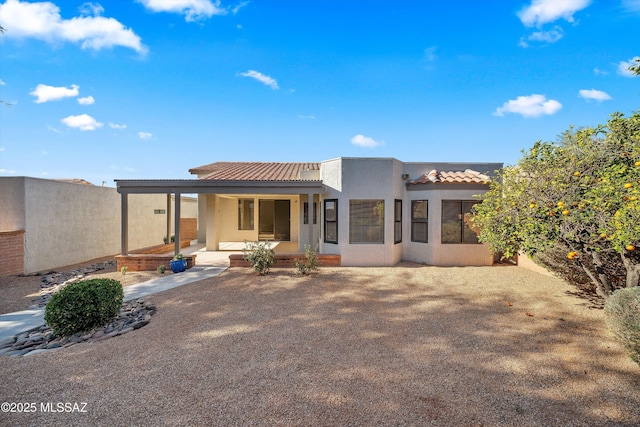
(419, 221)
(366, 221)
(397, 221)
(456, 224)
(306, 213)
(331, 221)
(245, 214)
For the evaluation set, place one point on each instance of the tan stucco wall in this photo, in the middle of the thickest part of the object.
(68, 223)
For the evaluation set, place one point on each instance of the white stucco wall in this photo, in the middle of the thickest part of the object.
(69, 223)
(12, 203)
(435, 252)
(364, 179)
(375, 178)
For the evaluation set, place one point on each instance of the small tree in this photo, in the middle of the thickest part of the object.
(581, 191)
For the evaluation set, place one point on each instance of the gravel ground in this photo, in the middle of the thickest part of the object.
(408, 345)
(17, 292)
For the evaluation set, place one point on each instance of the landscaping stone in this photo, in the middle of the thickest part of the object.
(133, 315)
(53, 282)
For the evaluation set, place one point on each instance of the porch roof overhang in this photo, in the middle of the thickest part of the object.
(202, 186)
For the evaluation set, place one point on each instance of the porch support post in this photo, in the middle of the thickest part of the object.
(168, 218)
(124, 221)
(177, 223)
(311, 215)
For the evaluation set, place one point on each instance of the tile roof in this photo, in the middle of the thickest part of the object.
(255, 171)
(468, 176)
(73, 181)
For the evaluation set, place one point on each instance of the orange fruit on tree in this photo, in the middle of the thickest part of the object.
(630, 248)
(628, 185)
(576, 173)
(572, 255)
(565, 212)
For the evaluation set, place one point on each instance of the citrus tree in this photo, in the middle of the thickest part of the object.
(582, 191)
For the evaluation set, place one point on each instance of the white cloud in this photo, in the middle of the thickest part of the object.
(87, 100)
(261, 78)
(2, 83)
(52, 129)
(550, 36)
(365, 141)
(595, 94)
(623, 67)
(540, 12)
(2, 149)
(145, 135)
(42, 20)
(529, 106)
(631, 5)
(194, 10)
(117, 126)
(308, 117)
(45, 93)
(598, 72)
(82, 122)
(7, 171)
(240, 5)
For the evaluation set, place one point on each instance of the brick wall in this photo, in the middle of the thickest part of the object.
(11, 252)
(288, 260)
(188, 228)
(149, 262)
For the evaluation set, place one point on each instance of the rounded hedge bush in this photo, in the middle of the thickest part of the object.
(622, 315)
(84, 305)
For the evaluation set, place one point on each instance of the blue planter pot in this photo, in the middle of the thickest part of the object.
(178, 265)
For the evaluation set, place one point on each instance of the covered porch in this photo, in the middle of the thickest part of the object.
(231, 212)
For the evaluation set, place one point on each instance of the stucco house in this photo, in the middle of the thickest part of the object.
(369, 211)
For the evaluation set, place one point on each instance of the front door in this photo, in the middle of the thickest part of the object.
(274, 220)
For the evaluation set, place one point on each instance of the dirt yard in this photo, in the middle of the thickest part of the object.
(17, 292)
(406, 345)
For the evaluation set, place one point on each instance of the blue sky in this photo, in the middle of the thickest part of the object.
(150, 88)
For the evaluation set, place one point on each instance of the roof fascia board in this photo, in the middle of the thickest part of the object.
(218, 187)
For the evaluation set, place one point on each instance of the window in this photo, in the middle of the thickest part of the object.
(456, 225)
(331, 221)
(419, 220)
(397, 221)
(245, 214)
(366, 221)
(305, 207)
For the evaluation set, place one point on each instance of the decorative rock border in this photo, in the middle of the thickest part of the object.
(133, 315)
(53, 281)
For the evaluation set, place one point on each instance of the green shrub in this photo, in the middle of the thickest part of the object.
(622, 315)
(260, 255)
(84, 305)
(308, 263)
(161, 269)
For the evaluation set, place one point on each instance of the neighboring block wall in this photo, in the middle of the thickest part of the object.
(68, 223)
(188, 228)
(11, 252)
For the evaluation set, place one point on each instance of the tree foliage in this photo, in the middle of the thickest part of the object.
(635, 69)
(582, 191)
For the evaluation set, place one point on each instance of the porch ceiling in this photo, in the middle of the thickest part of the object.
(197, 186)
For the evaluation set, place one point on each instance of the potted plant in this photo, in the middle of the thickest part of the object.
(178, 263)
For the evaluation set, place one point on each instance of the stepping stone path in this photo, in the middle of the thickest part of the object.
(133, 315)
(53, 281)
